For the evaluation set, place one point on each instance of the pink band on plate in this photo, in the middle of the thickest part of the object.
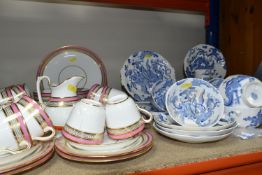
(79, 140)
(43, 114)
(67, 99)
(129, 134)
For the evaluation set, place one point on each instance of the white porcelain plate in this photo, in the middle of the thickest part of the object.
(141, 70)
(69, 61)
(195, 103)
(205, 62)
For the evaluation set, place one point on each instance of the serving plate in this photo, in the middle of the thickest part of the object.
(206, 59)
(69, 61)
(141, 70)
(194, 102)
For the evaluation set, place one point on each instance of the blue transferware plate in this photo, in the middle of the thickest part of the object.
(241, 90)
(207, 60)
(195, 103)
(216, 82)
(141, 70)
(158, 93)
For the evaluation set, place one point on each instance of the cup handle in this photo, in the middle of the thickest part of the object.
(46, 138)
(146, 113)
(254, 103)
(24, 144)
(38, 83)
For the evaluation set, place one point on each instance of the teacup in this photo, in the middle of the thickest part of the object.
(86, 123)
(102, 93)
(123, 118)
(21, 124)
(245, 116)
(241, 91)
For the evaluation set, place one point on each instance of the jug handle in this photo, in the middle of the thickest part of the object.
(146, 113)
(46, 138)
(38, 83)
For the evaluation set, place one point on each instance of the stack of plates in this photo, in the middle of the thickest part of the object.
(110, 150)
(166, 126)
(26, 160)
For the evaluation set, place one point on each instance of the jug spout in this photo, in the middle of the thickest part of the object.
(68, 88)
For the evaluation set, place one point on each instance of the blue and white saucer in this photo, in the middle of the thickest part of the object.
(158, 93)
(141, 70)
(205, 62)
(195, 103)
(241, 91)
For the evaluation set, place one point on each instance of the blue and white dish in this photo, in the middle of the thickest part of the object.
(195, 103)
(216, 82)
(205, 62)
(164, 119)
(141, 70)
(158, 93)
(241, 90)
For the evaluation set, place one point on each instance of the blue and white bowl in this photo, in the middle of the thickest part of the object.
(241, 91)
(205, 62)
(195, 103)
(158, 93)
(141, 70)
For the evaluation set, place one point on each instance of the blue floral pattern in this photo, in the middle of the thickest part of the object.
(254, 120)
(216, 82)
(194, 102)
(159, 93)
(141, 70)
(205, 57)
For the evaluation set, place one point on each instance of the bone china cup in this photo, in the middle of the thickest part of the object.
(86, 123)
(123, 118)
(21, 124)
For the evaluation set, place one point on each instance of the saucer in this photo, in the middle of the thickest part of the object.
(206, 58)
(194, 102)
(28, 159)
(235, 87)
(68, 61)
(105, 155)
(164, 120)
(141, 70)
(191, 139)
(158, 93)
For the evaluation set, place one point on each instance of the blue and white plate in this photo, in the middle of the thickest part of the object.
(141, 70)
(216, 82)
(158, 93)
(195, 103)
(241, 90)
(205, 62)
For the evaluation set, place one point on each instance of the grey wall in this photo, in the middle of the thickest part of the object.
(30, 30)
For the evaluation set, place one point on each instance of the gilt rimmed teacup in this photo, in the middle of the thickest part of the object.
(123, 117)
(86, 123)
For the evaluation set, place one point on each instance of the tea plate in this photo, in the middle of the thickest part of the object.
(158, 93)
(197, 133)
(233, 87)
(82, 155)
(194, 102)
(164, 119)
(141, 70)
(69, 61)
(34, 157)
(191, 139)
(206, 59)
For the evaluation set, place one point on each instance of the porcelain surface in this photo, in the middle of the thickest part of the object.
(191, 139)
(216, 82)
(205, 62)
(141, 70)
(69, 61)
(241, 90)
(158, 93)
(194, 102)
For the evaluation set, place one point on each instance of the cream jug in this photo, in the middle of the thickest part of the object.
(63, 97)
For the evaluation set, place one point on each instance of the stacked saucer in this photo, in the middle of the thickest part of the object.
(110, 150)
(195, 113)
(166, 126)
